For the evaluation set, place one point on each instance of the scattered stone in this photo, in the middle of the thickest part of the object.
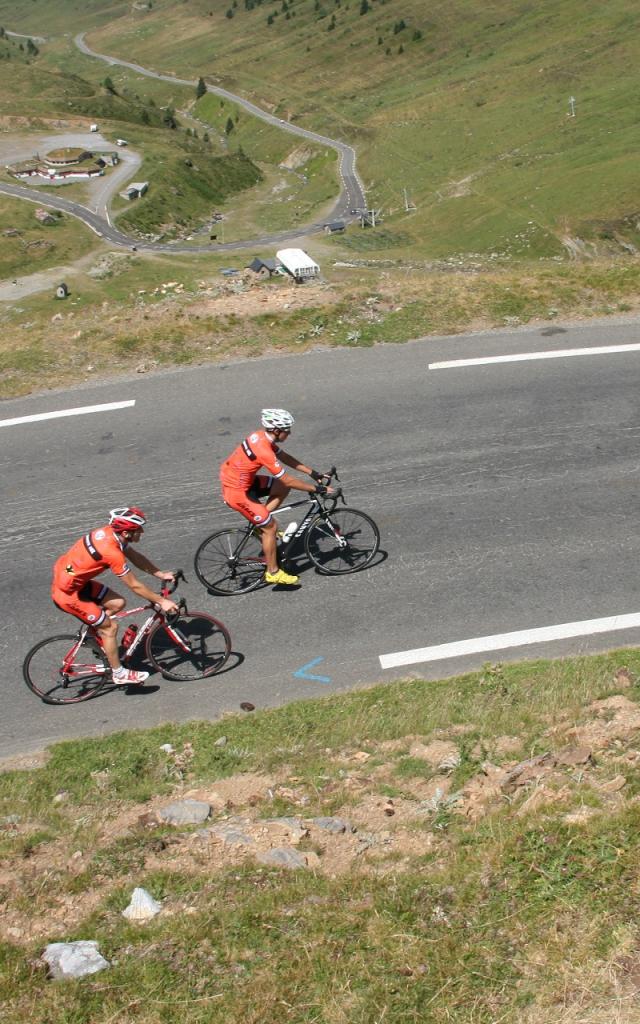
(361, 756)
(336, 825)
(293, 828)
(623, 677)
(142, 906)
(582, 815)
(283, 857)
(61, 797)
(9, 820)
(246, 705)
(230, 835)
(56, 318)
(613, 785)
(389, 809)
(74, 959)
(528, 771)
(185, 812)
(440, 754)
(167, 748)
(221, 742)
(571, 756)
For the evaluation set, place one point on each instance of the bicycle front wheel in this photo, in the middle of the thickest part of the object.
(60, 670)
(189, 646)
(230, 562)
(342, 541)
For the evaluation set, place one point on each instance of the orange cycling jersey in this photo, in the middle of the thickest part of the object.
(91, 555)
(256, 452)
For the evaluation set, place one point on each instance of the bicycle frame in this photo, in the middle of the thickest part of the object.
(315, 508)
(69, 666)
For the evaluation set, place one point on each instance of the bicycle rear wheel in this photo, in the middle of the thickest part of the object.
(342, 541)
(58, 674)
(222, 571)
(189, 647)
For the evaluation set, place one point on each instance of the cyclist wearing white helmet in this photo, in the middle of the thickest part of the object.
(76, 591)
(243, 487)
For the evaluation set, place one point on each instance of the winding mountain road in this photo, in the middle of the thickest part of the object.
(351, 192)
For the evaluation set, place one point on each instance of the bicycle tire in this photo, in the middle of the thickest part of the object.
(221, 572)
(207, 638)
(360, 541)
(42, 670)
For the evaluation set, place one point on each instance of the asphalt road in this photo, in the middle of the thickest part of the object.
(505, 494)
(351, 195)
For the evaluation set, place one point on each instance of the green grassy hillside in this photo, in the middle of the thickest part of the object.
(466, 850)
(465, 105)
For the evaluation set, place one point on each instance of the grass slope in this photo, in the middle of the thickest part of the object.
(472, 907)
(465, 106)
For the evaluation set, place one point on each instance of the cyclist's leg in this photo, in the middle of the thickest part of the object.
(277, 494)
(112, 603)
(93, 604)
(260, 515)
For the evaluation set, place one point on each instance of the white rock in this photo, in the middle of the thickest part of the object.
(74, 959)
(142, 906)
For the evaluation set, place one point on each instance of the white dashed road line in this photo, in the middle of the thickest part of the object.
(80, 411)
(501, 641)
(521, 357)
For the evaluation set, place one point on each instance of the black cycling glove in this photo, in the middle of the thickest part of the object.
(321, 489)
(316, 476)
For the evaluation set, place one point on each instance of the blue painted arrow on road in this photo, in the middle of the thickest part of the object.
(303, 673)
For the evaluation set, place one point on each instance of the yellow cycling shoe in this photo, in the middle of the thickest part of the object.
(281, 577)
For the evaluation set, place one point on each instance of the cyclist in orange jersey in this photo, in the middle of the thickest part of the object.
(76, 591)
(243, 486)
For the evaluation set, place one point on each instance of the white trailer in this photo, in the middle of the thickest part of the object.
(298, 263)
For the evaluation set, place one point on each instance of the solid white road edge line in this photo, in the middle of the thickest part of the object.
(80, 411)
(503, 640)
(521, 357)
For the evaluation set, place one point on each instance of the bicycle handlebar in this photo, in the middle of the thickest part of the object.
(168, 586)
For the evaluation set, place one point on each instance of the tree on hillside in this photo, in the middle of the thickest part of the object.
(364, 7)
(32, 49)
(201, 88)
(399, 26)
(169, 118)
(109, 86)
(229, 126)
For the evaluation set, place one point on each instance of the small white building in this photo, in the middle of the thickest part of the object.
(135, 190)
(121, 142)
(298, 263)
(93, 128)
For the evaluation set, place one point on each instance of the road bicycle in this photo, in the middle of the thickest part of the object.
(336, 541)
(69, 668)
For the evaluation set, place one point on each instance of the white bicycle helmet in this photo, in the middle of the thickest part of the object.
(128, 518)
(277, 419)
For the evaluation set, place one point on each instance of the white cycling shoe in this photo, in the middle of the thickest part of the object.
(127, 677)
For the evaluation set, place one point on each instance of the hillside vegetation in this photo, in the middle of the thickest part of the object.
(464, 105)
(457, 851)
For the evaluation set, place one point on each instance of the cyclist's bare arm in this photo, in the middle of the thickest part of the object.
(293, 463)
(291, 481)
(138, 587)
(142, 562)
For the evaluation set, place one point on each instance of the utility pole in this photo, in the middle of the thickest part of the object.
(408, 205)
(572, 106)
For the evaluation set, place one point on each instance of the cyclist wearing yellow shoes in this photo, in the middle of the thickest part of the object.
(243, 486)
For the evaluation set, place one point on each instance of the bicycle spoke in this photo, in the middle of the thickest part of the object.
(190, 647)
(343, 542)
(60, 672)
(230, 562)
